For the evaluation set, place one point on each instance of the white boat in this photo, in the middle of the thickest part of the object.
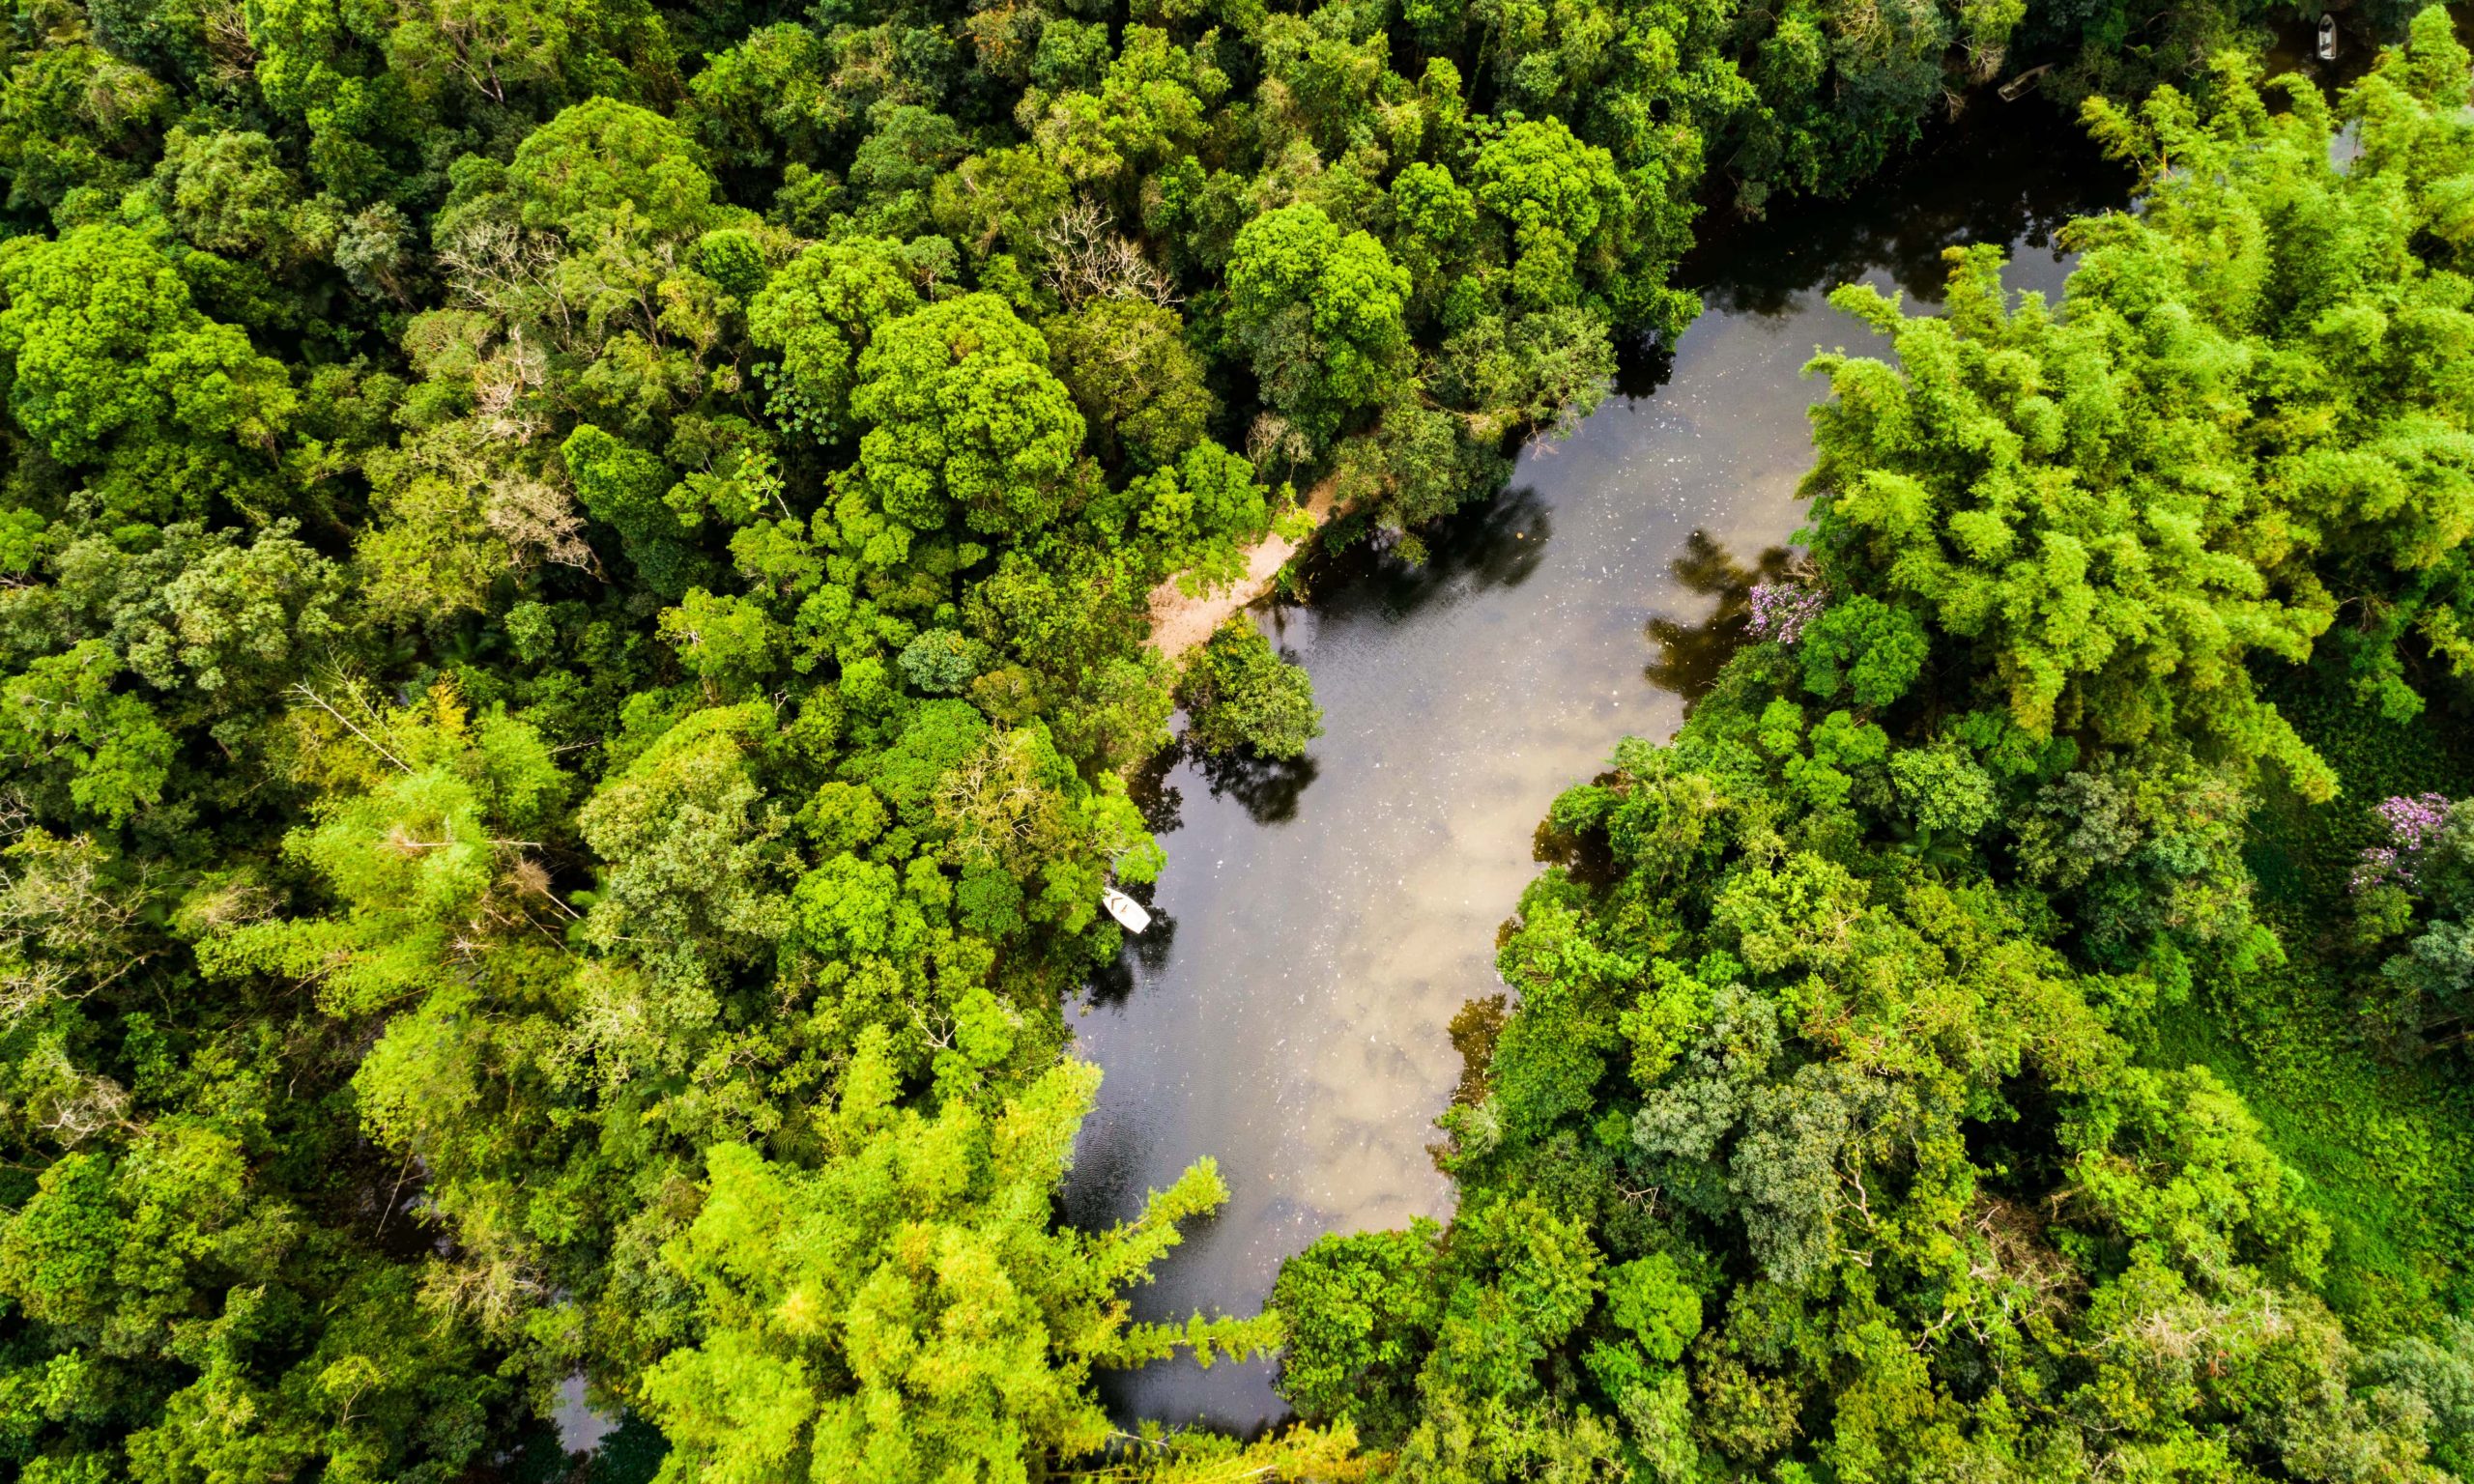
(1129, 913)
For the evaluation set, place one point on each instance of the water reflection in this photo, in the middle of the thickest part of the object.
(1497, 545)
(2009, 173)
(1332, 919)
(1641, 369)
(1267, 789)
(1148, 954)
(1161, 802)
(1691, 653)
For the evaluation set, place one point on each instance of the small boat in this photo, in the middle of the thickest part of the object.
(2327, 37)
(1128, 912)
(2017, 87)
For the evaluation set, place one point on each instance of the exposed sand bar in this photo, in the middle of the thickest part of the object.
(1181, 620)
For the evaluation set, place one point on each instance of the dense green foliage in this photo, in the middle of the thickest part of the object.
(1241, 694)
(573, 593)
(1877, 1101)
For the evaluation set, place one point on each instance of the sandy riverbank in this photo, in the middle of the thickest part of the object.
(1181, 620)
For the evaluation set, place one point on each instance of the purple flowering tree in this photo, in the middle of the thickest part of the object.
(1782, 610)
(2414, 898)
(2414, 824)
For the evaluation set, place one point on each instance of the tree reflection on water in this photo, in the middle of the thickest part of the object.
(1113, 983)
(1267, 787)
(1690, 655)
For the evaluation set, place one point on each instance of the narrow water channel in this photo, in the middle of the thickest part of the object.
(1322, 923)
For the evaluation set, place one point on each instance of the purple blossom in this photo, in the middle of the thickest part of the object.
(1780, 611)
(2412, 825)
(2412, 822)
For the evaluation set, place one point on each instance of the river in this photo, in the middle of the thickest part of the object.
(1320, 924)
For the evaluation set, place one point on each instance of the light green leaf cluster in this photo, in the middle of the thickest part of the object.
(904, 1310)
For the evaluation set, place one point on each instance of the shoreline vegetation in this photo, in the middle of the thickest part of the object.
(1182, 619)
(1958, 1052)
(579, 585)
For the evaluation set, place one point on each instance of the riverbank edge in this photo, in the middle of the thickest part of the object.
(1182, 620)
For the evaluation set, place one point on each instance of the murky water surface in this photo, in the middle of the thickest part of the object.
(1322, 923)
